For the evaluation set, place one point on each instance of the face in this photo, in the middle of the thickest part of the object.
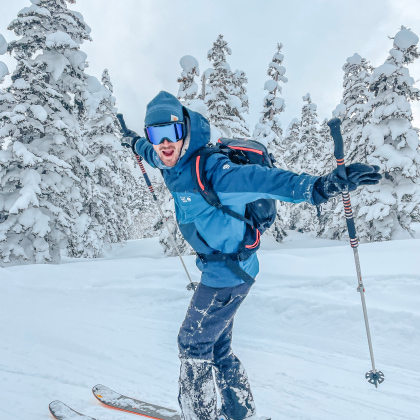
(169, 152)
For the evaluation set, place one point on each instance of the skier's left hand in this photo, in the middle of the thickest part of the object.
(333, 184)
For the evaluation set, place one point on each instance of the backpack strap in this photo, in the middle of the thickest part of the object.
(203, 185)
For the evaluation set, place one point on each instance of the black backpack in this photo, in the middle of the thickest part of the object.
(259, 215)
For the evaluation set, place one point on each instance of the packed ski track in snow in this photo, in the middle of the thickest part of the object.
(300, 333)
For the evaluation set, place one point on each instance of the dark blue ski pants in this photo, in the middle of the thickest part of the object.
(204, 344)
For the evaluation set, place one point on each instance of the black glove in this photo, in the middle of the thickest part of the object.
(129, 139)
(333, 184)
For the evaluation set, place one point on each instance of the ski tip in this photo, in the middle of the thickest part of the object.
(55, 404)
(97, 389)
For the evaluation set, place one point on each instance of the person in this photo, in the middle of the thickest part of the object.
(174, 134)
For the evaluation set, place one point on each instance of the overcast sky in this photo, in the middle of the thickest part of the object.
(141, 42)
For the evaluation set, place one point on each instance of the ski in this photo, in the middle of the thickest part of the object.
(121, 402)
(61, 411)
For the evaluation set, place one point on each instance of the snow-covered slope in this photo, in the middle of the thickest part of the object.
(300, 333)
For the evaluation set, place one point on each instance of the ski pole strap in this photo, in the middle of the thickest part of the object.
(231, 261)
(334, 125)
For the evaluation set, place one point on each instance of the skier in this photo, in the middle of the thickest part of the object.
(174, 134)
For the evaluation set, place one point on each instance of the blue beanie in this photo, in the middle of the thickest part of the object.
(163, 108)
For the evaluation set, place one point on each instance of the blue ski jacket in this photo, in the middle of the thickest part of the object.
(207, 229)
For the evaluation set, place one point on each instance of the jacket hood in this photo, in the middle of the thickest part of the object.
(166, 108)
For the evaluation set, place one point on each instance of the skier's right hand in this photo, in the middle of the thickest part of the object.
(129, 139)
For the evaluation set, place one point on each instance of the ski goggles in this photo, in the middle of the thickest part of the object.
(173, 132)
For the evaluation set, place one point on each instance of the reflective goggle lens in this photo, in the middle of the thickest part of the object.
(156, 134)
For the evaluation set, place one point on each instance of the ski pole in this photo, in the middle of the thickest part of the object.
(192, 285)
(374, 376)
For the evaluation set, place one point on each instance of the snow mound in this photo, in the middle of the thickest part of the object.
(93, 84)
(34, 10)
(225, 66)
(271, 85)
(300, 330)
(278, 57)
(405, 39)
(21, 84)
(4, 71)
(278, 103)
(386, 70)
(355, 59)
(199, 106)
(188, 63)
(56, 63)
(208, 73)
(60, 39)
(3, 45)
(39, 112)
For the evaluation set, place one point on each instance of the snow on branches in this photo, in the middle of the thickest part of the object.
(268, 129)
(225, 95)
(46, 163)
(392, 208)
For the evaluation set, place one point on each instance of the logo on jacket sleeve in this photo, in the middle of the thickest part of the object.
(185, 198)
(226, 166)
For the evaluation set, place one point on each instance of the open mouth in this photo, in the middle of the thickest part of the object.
(168, 153)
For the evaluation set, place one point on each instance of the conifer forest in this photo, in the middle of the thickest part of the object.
(68, 188)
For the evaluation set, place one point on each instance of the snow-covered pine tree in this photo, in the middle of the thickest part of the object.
(392, 208)
(223, 107)
(6, 99)
(353, 110)
(144, 222)
(238, 89)
(42, 166)
(303, 216)
(309, 136)
(292, 145)
(268, 130)
(111, 184)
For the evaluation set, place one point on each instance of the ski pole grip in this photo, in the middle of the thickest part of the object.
(334, 125)
(122, 123)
